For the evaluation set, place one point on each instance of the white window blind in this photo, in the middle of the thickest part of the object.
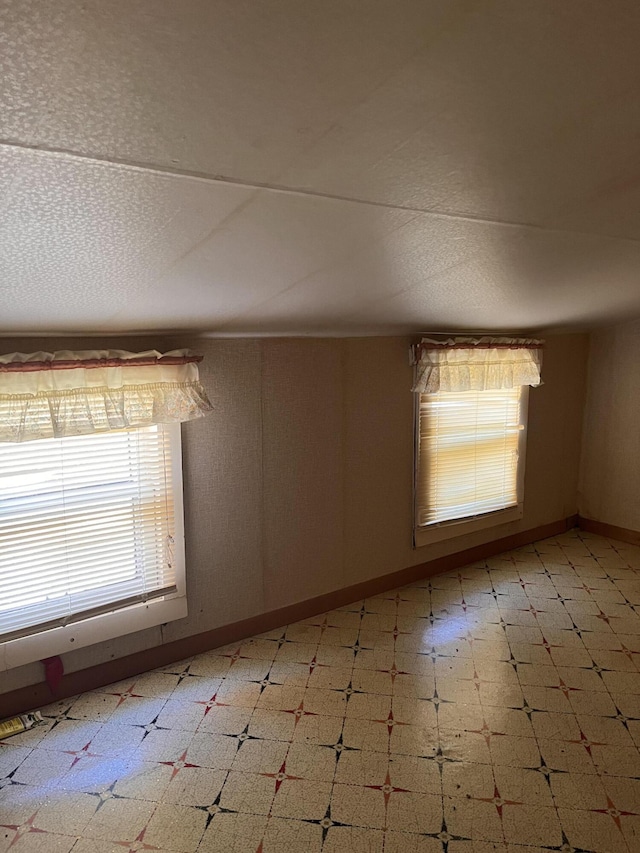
(468, 446)
(86, 527)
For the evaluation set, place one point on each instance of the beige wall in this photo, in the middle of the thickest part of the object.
(300, 481)
(610, 469)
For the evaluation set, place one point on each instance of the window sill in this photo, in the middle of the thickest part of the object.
(429, 535)
(97, 629)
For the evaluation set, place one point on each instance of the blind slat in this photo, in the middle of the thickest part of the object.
(467, 453)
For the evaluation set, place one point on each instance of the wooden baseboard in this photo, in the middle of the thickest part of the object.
(590, 525)
(34, 696)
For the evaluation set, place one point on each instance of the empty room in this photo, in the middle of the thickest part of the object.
(319, 445)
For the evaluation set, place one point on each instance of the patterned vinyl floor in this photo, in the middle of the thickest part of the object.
(495, 708)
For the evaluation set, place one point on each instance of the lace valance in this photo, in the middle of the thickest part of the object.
(475, 364)
(52, 395)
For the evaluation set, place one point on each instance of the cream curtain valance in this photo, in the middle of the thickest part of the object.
(52, 395)
(475, 364)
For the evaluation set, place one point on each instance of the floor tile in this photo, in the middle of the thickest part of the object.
(260, 756)
(225, 720)
(409, 842)
(414, 812)
(66, 814)
(144, 781)
(233, 833)
(404, 739)
(120, 820)
(317, 729)
(248, 792)
(11, 757)
(514, 751)
(285, 836)
(42, 766)
(93, 706)
(194, 786)
(357, 767)
(33, 842)
(358, 806)
(301, 799)
(593, 831)
(205, 749)
(312, 762)
(173, 714)
(491, 709)
(472, 818)
(340, 839)
(210, 666)
(163, 744)
(175, 827)
(414, 773)
(526, 824)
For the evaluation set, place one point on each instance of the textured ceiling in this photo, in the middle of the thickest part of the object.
(326, 167)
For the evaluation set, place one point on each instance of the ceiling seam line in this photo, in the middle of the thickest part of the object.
(204, 177)
(332, 266)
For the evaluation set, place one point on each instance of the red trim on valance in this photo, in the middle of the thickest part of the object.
(418, 348)
(89, 363)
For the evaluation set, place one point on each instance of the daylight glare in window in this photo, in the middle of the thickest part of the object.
(468, 453)
(86, 526)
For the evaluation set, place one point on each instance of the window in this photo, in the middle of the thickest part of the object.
(471, 399)
(470, 460)
(91, 524)
(91, 539)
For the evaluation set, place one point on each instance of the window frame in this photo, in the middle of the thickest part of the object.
(119, 622)
(443, 530)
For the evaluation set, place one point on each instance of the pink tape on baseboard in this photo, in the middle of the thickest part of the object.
(53, 672)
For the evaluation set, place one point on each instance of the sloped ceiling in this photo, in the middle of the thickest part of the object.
(318, 167)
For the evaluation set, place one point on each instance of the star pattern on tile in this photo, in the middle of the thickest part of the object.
(565, 847)
(387, 788)
(234, 655)
(182, 673)
(396, 632)
(281, 775)
(615, 813)
(444, 837)
(390, 722)
(393, 672)
(299, 712)
(104, 796)
(339, 746)
(498, 801)
(547, 646)
(178, 765)
(211, 703)
(440, 758)
(187, 676)
(60, 717)
(214, 809)
(565, 689)
(436, 701)
(463, 629)
(126, 694)
(22, 829)
(150, 727)
(137, 845)
(629, 653)
(547, 771)
(584, 741)
(487, 733)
